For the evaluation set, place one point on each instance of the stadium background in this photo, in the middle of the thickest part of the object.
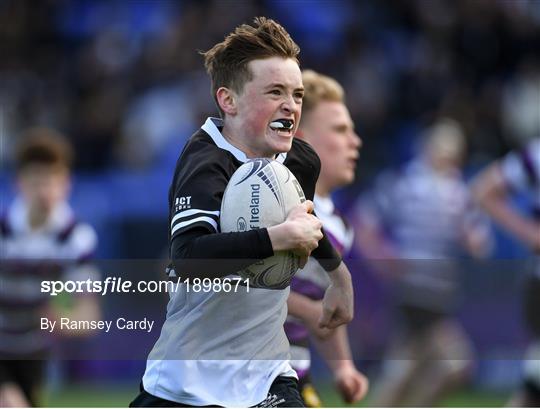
(123, 80)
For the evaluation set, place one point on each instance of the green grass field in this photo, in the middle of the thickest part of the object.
(120, 396)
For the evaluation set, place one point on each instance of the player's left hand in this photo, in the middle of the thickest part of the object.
(352, 385)
(338, 299)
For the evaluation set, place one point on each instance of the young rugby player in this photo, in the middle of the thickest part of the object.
(230, 348)
(41, 240)
(519, 171)
(327, 126)
(424, 218)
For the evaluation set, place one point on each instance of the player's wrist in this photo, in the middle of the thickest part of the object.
(342, 366)
(279, 237)
(340, 276)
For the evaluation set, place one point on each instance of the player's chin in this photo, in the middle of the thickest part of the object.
(282, 144)
(347, 177)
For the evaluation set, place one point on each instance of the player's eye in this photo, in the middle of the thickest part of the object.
(299, 95)
(275, 92)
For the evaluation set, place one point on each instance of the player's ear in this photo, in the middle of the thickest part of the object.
(226, 100)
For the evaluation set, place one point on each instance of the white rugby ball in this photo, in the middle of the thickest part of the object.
(260, 194)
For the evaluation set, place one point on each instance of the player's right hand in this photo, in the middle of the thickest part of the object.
(304, 229)
(299, 233)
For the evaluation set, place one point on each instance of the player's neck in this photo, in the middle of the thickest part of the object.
(37, 218)
(321, 190)
(240, 144)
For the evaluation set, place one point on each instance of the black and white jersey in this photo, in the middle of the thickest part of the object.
(60, 250)
(219, 348)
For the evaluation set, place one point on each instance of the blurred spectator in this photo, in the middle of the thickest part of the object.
(41, 240)
(521, 103)
(519, 171)
(422, 219)
(86, 66)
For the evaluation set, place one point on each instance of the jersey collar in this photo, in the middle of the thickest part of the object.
(325, 204)
(211, 127)
(18, 220)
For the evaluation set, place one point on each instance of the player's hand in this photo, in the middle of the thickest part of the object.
(311, 319)
(338, 299)
(352, 385)
(299, 233)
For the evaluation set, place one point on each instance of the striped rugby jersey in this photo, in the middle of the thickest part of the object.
(521, 171)
(312, 281)
(426, 215)
(60, 250)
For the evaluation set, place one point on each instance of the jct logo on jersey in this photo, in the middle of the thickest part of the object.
(182, 203)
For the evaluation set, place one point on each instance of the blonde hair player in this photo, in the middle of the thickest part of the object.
(327, 126)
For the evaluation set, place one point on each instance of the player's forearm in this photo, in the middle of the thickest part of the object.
(338, 303)
(491, 192)
(335, 349)
(198, 254)
(308, 311)
(341, 277)
(299, 306)
(525, 229)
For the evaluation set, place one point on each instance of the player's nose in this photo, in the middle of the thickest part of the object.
(290, 105)
(355, 140)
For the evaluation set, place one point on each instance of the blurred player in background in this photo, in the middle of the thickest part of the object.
(519, 171)
(423, 219)
(41, 240)
(223, 348)
(327, 126)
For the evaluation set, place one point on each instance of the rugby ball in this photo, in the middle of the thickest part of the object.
(260, 194)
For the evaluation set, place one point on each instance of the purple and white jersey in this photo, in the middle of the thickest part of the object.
(426, 215)
(312, 281)
(521, 171)
(60, 250)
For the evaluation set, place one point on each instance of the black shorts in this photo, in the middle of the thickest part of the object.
(27, 374)
(532, 393)
(418, 320)
(283, 393)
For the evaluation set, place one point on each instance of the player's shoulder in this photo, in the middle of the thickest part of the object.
(303, 152)
(201, 152)
(523, 163)
(302, 147)
(84, 235)
(79, 237)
